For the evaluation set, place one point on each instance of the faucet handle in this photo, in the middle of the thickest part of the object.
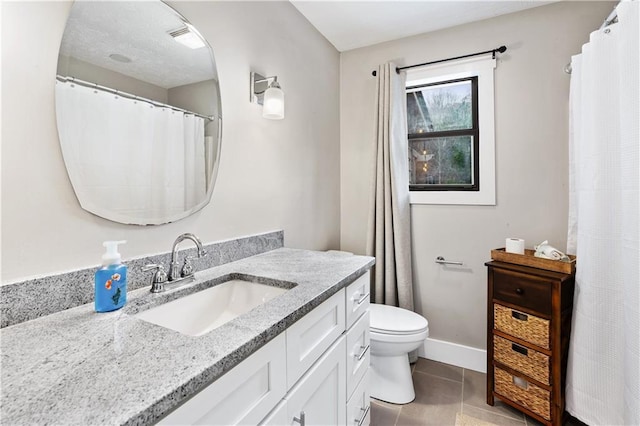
(202, 253)
(187, 267)
(158, 278)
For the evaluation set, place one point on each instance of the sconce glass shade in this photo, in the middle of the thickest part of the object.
(273, 107)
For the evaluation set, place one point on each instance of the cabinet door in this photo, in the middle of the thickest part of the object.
(278, 416)
(312, 335)
(321, 394)
(244, 395)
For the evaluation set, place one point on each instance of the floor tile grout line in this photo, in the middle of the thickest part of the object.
(395, 423)
(499, 414)
(437, 377)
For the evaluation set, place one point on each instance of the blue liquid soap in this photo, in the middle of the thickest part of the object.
(111, 280)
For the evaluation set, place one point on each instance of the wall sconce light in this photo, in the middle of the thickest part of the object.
(267, 92)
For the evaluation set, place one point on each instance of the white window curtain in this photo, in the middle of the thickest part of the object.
(130, 159)
(389, 236)
(603, 379)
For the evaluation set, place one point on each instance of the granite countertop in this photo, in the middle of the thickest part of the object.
(80, 367)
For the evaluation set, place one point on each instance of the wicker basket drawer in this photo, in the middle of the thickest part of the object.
(527, 361)
(524, 326)
(526, 394)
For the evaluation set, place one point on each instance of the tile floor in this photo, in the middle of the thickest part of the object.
(442, 391)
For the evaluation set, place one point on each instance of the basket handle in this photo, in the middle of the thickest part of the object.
(519, 316)
(520, 349)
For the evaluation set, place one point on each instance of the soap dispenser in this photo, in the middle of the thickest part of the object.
(111, 280)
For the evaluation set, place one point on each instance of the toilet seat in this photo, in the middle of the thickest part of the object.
(390, 320)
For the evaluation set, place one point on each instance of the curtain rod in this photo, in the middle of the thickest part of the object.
(79, 82)
(500, 49)
(611, 19)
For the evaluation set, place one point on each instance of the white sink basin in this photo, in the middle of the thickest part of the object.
(203, 311)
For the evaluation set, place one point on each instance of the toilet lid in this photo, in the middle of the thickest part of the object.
(391, 320)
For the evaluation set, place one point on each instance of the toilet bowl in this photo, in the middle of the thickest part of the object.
(394, 333)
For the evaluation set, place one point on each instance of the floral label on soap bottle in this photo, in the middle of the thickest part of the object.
(112, 293)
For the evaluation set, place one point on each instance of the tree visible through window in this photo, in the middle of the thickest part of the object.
(442, 122)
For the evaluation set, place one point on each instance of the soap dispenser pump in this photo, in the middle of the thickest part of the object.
(111, 280)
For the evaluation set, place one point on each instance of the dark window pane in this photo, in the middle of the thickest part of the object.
(441, 161)
(440, 107)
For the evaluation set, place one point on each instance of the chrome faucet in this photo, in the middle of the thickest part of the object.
(176, 274)
(187, 269)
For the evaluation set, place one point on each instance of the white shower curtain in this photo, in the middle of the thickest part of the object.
(603, 378)
(195, 159)
(128, 159)
(389, 235)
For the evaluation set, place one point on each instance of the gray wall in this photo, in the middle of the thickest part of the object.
(198, 97)
(94, 74)
(273, 174)
(531, 117)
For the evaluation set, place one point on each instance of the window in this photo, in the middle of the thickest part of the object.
(450, 110)
(442, 122)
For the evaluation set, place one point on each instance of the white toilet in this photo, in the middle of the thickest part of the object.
(394, 333)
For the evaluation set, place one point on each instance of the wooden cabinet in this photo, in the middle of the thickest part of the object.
(529, 324)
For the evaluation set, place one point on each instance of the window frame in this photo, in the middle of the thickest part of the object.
(483, 68)
(474, 132)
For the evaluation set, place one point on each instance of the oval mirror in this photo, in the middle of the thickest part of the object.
(138, 111)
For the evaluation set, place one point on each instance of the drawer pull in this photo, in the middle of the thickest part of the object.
(364, 415)
(519, 291)
(521, 383)
(301, 419)
(520, 349)
(363, 352)
(361, 298)
(519, 316)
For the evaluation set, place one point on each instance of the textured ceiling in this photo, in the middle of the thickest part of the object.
(138, 30)
(353, 24)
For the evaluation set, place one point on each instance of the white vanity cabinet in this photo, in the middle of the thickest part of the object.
(319, 396)
(358, 351)
(310, 336)
(244, 395)
(315, 373)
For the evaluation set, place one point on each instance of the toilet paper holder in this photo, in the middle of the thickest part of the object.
(441, 260)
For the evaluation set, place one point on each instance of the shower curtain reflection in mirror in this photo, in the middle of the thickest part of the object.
(142, 161)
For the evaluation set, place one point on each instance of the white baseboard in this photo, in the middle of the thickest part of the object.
(454, 354)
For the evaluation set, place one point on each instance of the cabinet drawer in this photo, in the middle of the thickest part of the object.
(357, 298)
(524, 393)
(359, 405)
(527, 361)
(524, 326)
(244, 395)
(312, 334)
(358, 352)
(523, 290)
